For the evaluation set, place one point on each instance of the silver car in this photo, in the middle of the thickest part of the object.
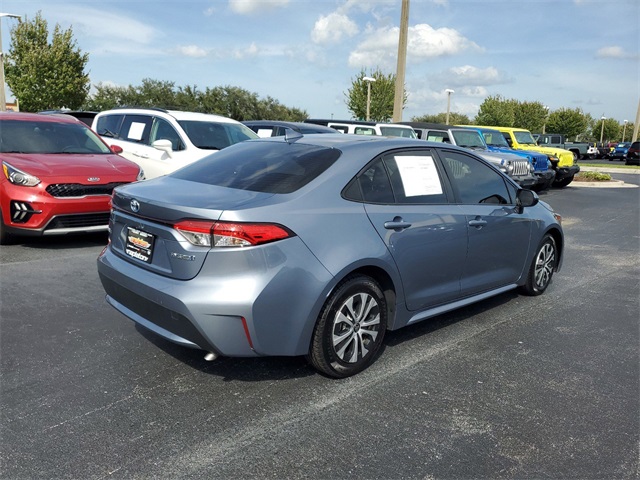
(317, 245)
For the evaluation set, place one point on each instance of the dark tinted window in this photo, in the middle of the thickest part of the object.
(474, 181)
(270, 167)
(214, 135)
(48, 137)
(415, 178)
(375, 185)
(163, 130)
(136, 128)
(109, 125)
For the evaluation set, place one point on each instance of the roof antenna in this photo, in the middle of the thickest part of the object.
(290, 135)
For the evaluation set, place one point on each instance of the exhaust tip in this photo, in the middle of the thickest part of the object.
(210, 357)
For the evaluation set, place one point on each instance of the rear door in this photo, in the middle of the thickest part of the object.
(408, 204)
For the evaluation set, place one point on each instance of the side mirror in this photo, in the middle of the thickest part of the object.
(526, 198)
(116, 149)
(164, 145)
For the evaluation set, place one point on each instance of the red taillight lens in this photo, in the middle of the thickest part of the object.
(230, 234)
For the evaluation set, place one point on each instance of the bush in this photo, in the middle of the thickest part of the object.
(593, 177)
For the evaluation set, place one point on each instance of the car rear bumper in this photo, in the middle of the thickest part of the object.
(270, 312)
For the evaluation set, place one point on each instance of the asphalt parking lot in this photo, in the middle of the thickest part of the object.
(514, 387)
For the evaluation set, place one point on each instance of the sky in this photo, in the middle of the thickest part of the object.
(307, 53)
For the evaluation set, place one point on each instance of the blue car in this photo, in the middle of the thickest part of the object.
(316, 245)
(620, 152)
(541, 163)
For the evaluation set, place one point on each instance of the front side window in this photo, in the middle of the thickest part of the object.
(495, 139)
(473, 181)
(162, 130)
(269, 167)
(437, 136)
(468, 138)
(391, 131)
(524, 137)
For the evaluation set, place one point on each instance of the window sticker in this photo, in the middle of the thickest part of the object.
(265, 132)
(135, 131)
(419, 175)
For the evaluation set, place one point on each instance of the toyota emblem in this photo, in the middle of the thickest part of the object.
(135, 206)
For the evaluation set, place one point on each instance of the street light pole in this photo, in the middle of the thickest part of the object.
(546, 114)
(368, 80)
(602, 129)
(449, 92)
(3, 98)
(624, 129)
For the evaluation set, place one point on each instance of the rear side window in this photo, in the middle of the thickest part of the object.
(269, 167)
(136, 128)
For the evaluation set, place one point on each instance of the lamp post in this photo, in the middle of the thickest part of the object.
(546, 114)
(603, 118)
(368, 80)
(3, 98)
(624, 129)
(449, 92)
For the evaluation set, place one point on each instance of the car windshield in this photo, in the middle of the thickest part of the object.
(468, 139)
(494, 139)
(524, 138)
(623, 145)
(216, 135)
(397, 132)
(269, 167)
(32, 136)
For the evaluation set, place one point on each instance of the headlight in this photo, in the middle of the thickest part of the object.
(18, 177)
(531, 169)
(140, 175)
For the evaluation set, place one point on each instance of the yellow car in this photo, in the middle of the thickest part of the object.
(563, 161)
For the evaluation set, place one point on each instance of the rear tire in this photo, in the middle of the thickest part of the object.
(542, 267)
(350, 328)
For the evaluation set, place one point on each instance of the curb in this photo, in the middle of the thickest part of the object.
(624, 171)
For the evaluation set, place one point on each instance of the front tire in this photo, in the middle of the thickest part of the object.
(5, 237)
(350, 328)
(542, 267)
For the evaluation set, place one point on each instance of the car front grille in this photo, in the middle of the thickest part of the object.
(87, 220)
(65, 190)
(520, 168)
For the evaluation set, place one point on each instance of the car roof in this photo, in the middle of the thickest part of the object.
(25, 117)
(177, 114)
(282, 123)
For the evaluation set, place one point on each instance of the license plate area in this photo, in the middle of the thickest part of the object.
(139, 244)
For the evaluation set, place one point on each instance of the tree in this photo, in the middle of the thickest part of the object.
(529, 115)
(569, 122)
(611, 131)
(382, 96)
(454, 118)
(45, 75)
(496, 111)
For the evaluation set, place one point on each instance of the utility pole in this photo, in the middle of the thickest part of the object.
(637, 124)
(402, 62)
(3, 98)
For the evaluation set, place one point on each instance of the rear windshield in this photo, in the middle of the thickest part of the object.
(216, 135)
(32, 136)
(269, 167)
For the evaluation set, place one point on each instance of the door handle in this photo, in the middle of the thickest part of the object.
(478, 223)
(396, 224)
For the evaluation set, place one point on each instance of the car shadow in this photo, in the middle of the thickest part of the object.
(62, 242)
(258, 369)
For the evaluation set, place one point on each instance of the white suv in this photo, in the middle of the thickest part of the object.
(161, 141)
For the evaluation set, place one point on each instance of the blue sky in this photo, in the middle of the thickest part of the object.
(305, 53)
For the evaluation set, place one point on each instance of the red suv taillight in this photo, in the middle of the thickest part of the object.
(230, 234)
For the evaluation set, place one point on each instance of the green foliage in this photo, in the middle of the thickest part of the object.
(496, 111)
(45, 75)
(232, 102)
(628, 132)
(382, 96)
(569, 122)
(454, 118)
(611, 132)
(529, 115)
(594, 176)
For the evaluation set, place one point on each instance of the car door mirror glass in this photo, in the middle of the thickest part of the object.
(527, 198)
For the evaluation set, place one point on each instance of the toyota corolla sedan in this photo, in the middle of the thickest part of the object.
(317, 245)
(57, 176)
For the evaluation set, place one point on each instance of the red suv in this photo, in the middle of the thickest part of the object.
(633, 154)
(57, 176)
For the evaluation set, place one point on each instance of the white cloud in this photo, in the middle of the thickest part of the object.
(468, 75)
(424, 42)
(331, 29)
(192, 51)
(244, 7)
(250, 51)
(613, 51)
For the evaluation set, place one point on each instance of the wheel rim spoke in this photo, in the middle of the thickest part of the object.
(356, 326)
(544, 265)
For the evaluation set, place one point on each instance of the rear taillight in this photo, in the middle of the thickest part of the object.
(230, 234)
